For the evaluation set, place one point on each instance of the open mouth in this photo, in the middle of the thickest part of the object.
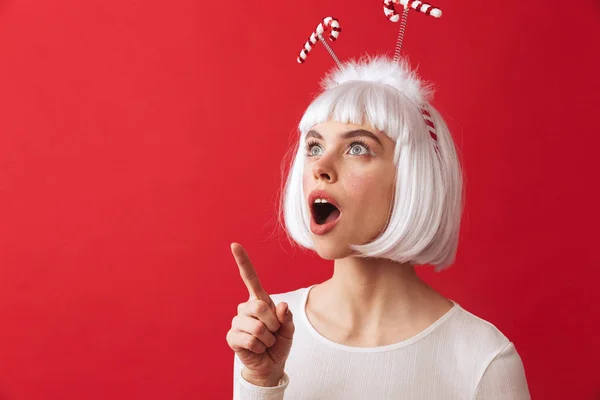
(324, 212)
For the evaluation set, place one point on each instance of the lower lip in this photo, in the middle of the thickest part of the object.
(324, 228)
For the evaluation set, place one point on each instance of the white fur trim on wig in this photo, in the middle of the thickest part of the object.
(382, 70)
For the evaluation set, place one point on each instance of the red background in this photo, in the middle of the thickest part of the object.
(139, 138)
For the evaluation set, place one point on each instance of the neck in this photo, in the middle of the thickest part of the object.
(369, 293)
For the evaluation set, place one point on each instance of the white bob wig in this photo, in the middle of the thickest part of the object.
(424, 224)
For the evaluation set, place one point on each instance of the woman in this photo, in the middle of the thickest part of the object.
(375, 186)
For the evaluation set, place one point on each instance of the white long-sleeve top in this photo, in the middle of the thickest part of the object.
(460, 356)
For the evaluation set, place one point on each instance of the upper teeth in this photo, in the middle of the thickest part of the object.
(320, 201)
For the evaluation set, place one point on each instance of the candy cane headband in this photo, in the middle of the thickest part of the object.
(389, 8)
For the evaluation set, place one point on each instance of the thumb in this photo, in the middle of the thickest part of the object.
(281, 349)
(284, 315)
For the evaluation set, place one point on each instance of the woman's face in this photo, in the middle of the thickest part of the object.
(348, 184)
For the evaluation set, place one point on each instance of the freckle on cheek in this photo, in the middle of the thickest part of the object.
(356, 180)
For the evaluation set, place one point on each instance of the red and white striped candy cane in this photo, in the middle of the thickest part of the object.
(329, 24)
(430, 125)
(389, 8)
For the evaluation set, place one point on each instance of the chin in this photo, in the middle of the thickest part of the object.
(331, 249)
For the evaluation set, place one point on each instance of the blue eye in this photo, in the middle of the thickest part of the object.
(314, 149)
(358, 149)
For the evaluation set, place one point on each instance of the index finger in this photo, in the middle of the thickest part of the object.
(248, 273)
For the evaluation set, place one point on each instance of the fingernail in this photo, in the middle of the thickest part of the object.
(287, 311)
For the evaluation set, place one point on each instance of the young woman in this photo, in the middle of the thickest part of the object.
(376, 187)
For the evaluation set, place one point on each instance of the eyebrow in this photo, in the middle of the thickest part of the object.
(348, 135)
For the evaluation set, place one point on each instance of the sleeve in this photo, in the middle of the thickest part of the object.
(244, 390)
(504, 378)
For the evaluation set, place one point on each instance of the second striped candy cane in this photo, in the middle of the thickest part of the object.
(390, 9)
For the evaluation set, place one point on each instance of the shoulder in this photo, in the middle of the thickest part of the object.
(476, 341)
(478, 331)
(486, 351)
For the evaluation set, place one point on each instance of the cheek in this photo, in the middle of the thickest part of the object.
(369, 188)
(305, 180)
(360, 185)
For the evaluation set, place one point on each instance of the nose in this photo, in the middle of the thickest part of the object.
(324, 170)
